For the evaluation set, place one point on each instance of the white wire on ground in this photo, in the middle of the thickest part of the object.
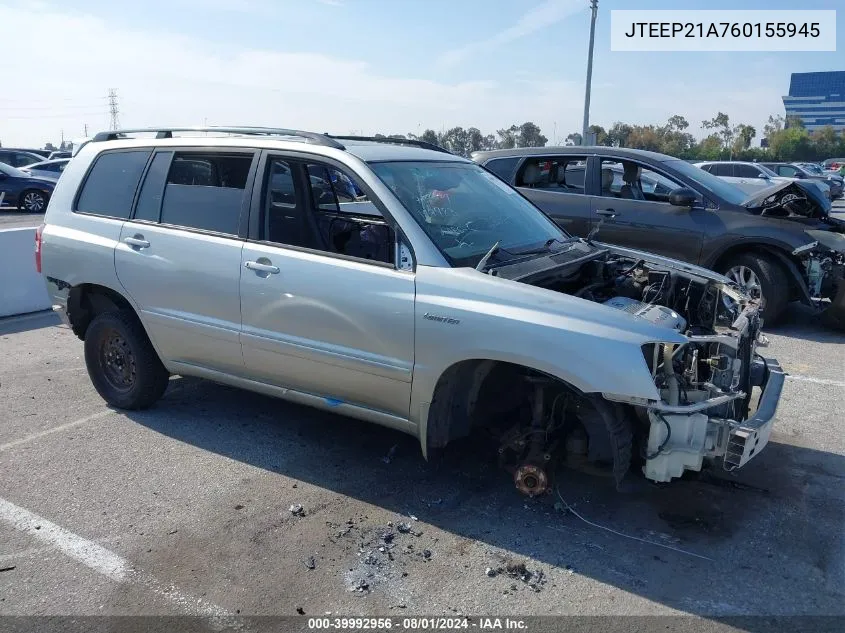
(633, 538)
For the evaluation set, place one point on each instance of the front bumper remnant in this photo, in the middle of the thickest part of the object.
(748, 439)
(680, 441)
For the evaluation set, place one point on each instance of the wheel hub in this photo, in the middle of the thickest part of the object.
(747, 280)
(33, 202)
(118, 362)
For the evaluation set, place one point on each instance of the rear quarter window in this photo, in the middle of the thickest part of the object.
(503, 167)
(111, 183)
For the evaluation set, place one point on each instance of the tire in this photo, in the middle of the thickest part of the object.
(121, 361)
(33, 201)
(772, 280)
(834, 322)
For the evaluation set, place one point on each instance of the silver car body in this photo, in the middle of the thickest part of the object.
(51, 169)
(367, 340)
(763, 177)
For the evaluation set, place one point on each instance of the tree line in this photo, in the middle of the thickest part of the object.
(786, 138)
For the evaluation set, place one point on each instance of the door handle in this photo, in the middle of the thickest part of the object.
(262, 268)
(608, 213)
(137, 242)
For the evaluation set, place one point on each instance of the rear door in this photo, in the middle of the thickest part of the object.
(557, 184)
(651, 224)
(326, 309)
(179, 255)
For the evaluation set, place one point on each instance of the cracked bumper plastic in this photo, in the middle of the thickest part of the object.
(747, 440)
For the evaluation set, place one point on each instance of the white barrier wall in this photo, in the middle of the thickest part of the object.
(21, 288)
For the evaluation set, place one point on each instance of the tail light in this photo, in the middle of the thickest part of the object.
(38, 232)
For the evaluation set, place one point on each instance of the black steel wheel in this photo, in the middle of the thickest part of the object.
(121, 361)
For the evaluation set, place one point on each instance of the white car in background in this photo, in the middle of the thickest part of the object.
(751, 177)
(51, 169)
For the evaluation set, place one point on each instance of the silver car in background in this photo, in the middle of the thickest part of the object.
(394, 282)
(752, 177)
(51, 169)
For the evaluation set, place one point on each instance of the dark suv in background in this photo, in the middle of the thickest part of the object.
(780, 244)
(19, 157)
(795, 170)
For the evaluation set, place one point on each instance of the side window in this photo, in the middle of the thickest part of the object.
(722, 169)
(564, 174)
(707, 168)
(503, 167)
(348, 222)
(788, 171)
(205, 191)
(328, 211)
(284, 218)
(22, 160)
(633, 181)
(152, 191)
(747, 171)
(110, 186)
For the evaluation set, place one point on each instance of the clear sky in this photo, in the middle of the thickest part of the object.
(367, 66)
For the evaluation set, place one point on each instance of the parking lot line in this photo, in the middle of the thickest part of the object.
(102, 560)
(86, 552)
(818, 381)
(55, 429)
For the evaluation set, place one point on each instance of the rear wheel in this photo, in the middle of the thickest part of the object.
(121, 361)
(33, 201)
(762, 278)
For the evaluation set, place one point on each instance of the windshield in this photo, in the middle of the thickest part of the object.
(767, 171)
(465, 210)
(13, 171)
(721, 188)
(813, 169)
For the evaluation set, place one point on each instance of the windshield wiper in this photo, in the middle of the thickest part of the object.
(483, 261)
(545, 248)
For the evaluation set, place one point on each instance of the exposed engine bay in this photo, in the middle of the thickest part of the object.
(704, 385)
(821, 263)
(789, 200)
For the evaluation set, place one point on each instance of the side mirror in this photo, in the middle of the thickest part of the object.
(682, 197)
(763, 176)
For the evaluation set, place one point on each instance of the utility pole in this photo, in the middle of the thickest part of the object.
(113, 110)
(86, 130)
(594, 6)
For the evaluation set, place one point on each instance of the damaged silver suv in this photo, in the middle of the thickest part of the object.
(393, 282)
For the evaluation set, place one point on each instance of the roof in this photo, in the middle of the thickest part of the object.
(597, 150)
(364, 148)
(732, 162)
(372, 151)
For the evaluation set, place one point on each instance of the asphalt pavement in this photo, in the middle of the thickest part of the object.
(14, 219)
(193, 507)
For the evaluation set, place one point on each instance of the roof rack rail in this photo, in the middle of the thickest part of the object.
(310, 137)
(393, 141)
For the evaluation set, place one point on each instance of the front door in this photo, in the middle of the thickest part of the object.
(634, 211)
(325, 310)
(751, 179)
